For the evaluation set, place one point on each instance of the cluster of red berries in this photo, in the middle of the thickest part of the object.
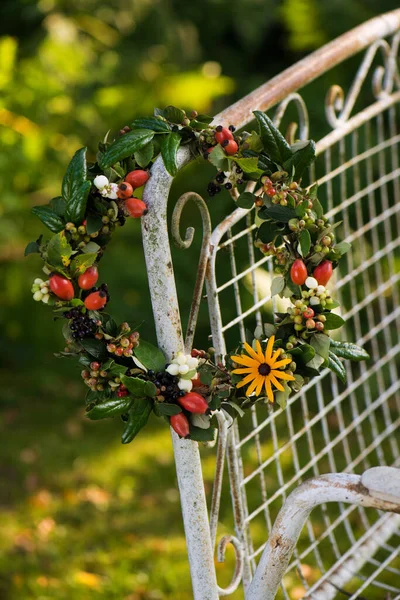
(133, 206)
(322, 273)
(124, 344)
(97, 378)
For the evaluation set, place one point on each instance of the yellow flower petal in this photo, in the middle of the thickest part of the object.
(245, 360)
(259, 385)
(259, 351)
(250, 351)
(276, 383)
(268, 350)
(268, 389)
(276, 354)
(245, 370)
(281, 363)
(282, 375)
(253, 385)
(245, 380)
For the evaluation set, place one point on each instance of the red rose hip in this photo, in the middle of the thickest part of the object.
(194, 403)
(89, 278)
(61, 287)
(323, 272)
(298, 272)
(137, 178)
(136, 207)
(180, 424)
(223, 134)
(96, 300)
(231, 147)
(125, 190)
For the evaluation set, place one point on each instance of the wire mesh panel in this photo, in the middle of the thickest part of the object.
(327, 427)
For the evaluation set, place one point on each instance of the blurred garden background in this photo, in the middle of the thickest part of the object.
(83, 517)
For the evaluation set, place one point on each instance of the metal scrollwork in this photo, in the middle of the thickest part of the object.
(185, 244)
(302, 111)
(338, 107)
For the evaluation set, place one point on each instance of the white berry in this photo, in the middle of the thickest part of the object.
(37, 296)
(100, 181)
(46, 298)
(314, 300)
(38, 281)
(185, 385)
(311, 282)
(320, 289)
(173, 369)
(183, 369)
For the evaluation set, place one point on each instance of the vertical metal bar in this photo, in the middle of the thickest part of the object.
(169, 336)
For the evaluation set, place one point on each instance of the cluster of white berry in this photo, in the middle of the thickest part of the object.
(41, 290)
(183, 366)
(317, 294)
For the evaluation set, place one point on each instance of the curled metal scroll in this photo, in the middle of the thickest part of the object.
(185, 244)
(338, 107)
(302, 112)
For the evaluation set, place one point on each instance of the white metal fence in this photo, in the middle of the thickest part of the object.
(344, 550)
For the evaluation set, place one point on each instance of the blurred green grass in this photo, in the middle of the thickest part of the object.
(83, 516)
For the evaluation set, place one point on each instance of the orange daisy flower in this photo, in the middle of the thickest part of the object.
(262, 369)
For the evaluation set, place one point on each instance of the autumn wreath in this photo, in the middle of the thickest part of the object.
(127, 376)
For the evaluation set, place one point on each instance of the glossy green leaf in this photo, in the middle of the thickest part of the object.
(282, 214)
(173, 114)
(301, 209)
(218, 158)
(321, 343)
(94, 347)
(202, 435)
(248, 165)
(49, 218)
(335, 365)
(59, 205)
(144, 155)
(333, 321)
(151, 123)
(138, 416)
(76, 206)
(110, 408)
(277, 285)
(80, 263)
(32, 248)
(163, 409)
(304, 243)
(342, 247)
(75, 175)
(275, 145)
(267, 232)
(349, 351)
(169, 148)
(93, 223)
(301, 159)
(126, 145)
(246, 200)
(59, 251)
(150, 356)
(91, 247)
(135, 386)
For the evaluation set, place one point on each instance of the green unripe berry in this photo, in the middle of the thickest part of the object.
(325, 250)
(298, 319)
(293, 340)
(317, 248)
(81, 230)
(293, 366)
(326, 240)
(289, 346)
(69, 226)
(298, 327)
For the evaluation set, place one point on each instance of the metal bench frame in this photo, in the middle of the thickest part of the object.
(378, 487)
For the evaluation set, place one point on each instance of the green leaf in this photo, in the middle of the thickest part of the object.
(342, 247)
(335, 365)
(281, 398)
(150, 356)
(93, 223)
(301, 159)
(321, 342)
(202, 435)
(206, 119)
(94, 347)
(169, 148)
(125, 146)
(248, 165)
(206, 374)
(333, 321)
(82, 262)
(267, 232)
(277, 285)
(282, 214)
(173, 114)
(135, 386)
(75, 175)
(110, 408)
(91, 247)
(316, 362)
(49, 218)
(76, 206)
(275, 145)
(304, 242)
(246, 200)
(138, 416)
(254, 142)
(349, 351)
(150, 389)
(32, 248)
(218, 158)
(301, 209)
(302, 354)
(151, 123)
(59, 251)
(59, 205)
(166, 410)
(144, 155)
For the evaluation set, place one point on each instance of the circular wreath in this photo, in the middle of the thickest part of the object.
(127, 376)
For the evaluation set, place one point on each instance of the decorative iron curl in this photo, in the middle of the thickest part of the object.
(338, 107)
(204, 253)
(302, 125)
(239, 560)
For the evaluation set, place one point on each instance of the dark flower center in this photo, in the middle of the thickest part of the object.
(264, 369)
